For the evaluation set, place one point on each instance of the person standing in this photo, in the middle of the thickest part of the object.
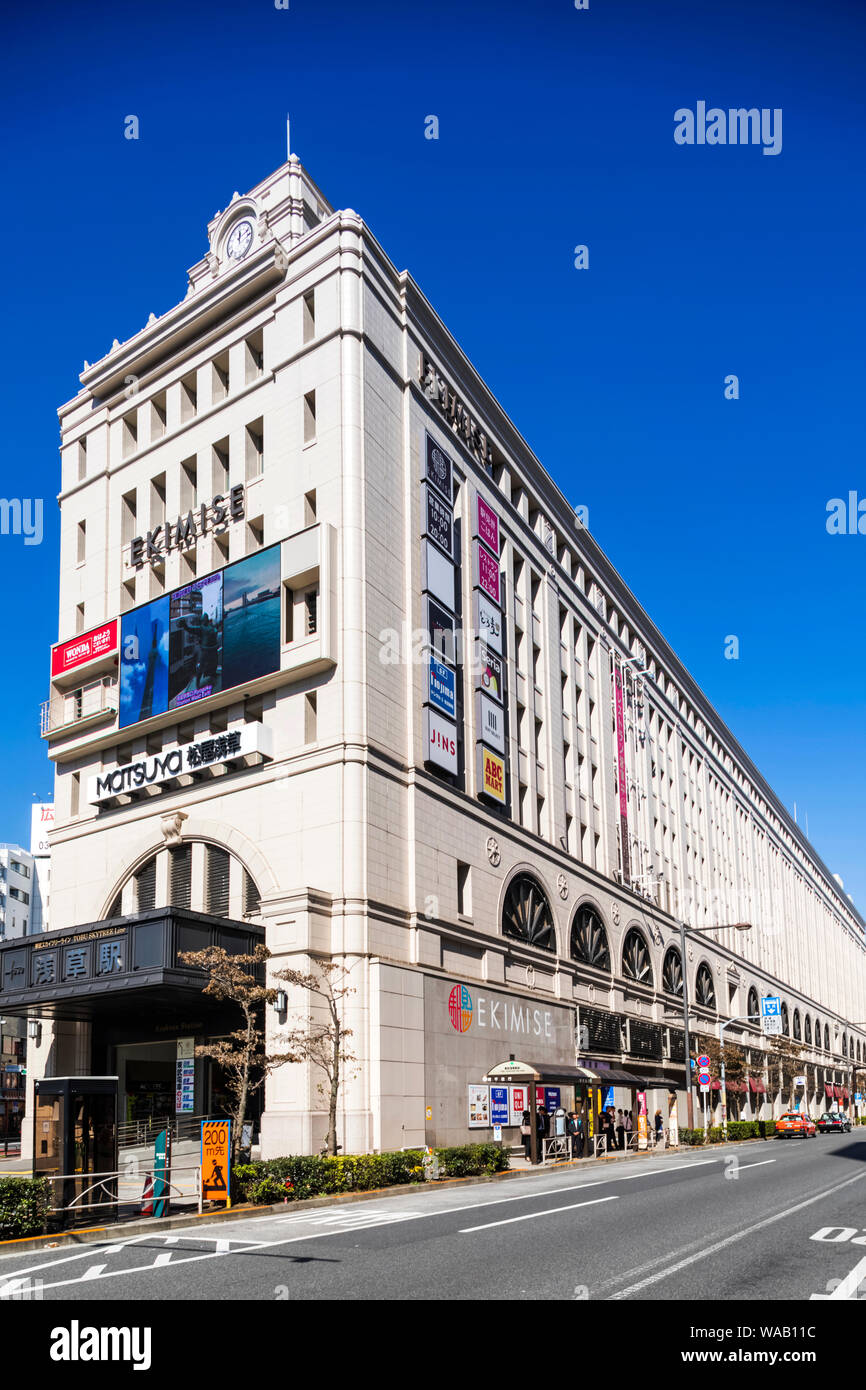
(541, 1129)
(659, 1127)
(628, 1125)
(526, 1134)
(620, 1130)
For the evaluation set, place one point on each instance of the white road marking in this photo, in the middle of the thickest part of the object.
(93, 1272)
(164, 1259)
(741, 1167)
(848, 1286)
(531, 1215)
(730, 1240)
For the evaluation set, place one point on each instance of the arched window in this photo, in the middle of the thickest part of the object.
(526, 914)
(807, 1030)
(818, 1033)
(589, 939)
(753, 1008)
(786, 1021)
(858, 1050)
(826, 1037)
(705, 990)
(222, 887)
(672, 973)
(797, 1030)
(844, 1045)
(636, 964)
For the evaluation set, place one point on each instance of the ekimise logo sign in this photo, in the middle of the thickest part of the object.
(460, 1008)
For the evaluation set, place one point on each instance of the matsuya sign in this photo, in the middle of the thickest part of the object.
(188, 759)
(185, 532)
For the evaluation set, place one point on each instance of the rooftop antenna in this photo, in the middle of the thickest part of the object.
(288, 137)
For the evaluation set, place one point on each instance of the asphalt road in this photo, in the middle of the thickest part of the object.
(781, 1220)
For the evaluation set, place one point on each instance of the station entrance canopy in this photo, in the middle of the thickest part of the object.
(107, 969)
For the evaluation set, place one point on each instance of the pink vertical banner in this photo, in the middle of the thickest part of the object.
(620, 773)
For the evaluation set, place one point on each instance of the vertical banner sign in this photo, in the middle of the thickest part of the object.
(215, 1168)
(620, 772)
(641, 1120)
(499, 1105)
(161, 1165)
(519, 1103)
(440, 574)
(673, 1121)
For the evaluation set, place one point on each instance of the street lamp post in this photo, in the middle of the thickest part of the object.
(734, 926)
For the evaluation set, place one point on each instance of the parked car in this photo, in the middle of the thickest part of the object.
(794, 1123)
(834, 1123)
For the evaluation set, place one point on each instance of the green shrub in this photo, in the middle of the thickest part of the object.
(471, 1160)
(24, 1204)
(318, 1175)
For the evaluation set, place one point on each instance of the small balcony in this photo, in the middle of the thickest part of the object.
(87, 704)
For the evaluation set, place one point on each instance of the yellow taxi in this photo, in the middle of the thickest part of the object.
(794, 1123)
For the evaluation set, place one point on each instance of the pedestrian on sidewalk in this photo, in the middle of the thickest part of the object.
(620, 1130)
(526, 1133)
(541, 1129)
(660, 1127)
(629, 1126)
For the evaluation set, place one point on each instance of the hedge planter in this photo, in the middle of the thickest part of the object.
(296, 1177)
(24, 1204)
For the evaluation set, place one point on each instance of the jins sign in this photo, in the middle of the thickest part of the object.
(186, 531)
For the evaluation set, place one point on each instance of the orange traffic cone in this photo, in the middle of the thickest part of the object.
(147, 1196)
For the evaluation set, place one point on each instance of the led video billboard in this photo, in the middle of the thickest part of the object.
(212, 634)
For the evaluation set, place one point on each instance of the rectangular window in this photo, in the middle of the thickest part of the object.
(309, 313)
(255, 534)
(82, 459)
(181, 875)
(217, 881)
(220, 378)
(311, 610)
(79, 618)
(128, 517)
(254, 355)
(220, 455)
(289, 609)
(188, 398)
(157, 417)
(157, 501)
(310, 508)
(82, 542)
(309, 417)
(255, 449)
(188, 484)
(252, 901)
(145, 883)
(129, 433)
(310, 718)
(464, 890)
(127, 595)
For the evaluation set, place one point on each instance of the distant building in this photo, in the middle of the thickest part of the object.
(17, 878)
(41, 823)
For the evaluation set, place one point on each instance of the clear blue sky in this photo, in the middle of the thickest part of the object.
(556, 128)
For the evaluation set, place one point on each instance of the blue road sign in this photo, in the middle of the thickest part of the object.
(771, 1006)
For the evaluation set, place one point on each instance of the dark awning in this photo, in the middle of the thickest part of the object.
(608, 1076)
(828, 1091)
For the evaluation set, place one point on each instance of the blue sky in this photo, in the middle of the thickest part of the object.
(556, 129)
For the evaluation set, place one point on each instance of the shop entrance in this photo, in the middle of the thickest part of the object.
(147, 1073)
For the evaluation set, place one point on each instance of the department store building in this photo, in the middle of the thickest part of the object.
(340, 669)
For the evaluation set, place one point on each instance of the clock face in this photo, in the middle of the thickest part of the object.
(240, 240)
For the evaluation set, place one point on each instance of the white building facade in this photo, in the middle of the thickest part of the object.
(340, 669)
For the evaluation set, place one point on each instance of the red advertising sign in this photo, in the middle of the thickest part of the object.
(88, 646)
(487, 527)
(488, 572)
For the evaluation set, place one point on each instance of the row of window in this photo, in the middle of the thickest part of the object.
(526, 917)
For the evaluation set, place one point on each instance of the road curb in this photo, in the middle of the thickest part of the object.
(91, 1235)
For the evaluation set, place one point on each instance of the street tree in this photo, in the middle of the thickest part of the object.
(322, 1037)
(242, 1055)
